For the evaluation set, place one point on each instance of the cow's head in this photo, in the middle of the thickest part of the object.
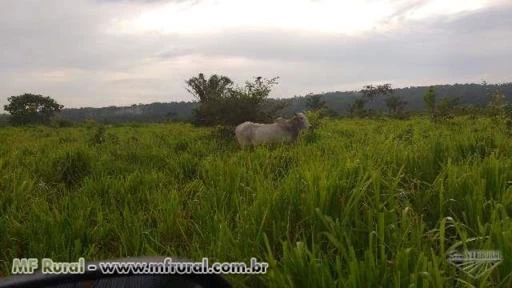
(300, 121)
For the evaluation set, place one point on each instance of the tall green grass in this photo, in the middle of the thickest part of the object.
(361, 203)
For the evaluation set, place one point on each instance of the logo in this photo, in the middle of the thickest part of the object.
(476, 263)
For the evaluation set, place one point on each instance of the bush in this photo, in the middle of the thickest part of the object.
(4, 120)
(447, 107)
(90, 123)
(222, 104)
(60, 123)
(223, 133)
(182, 146)
(315, 122)
(71, 167)
(100, 135)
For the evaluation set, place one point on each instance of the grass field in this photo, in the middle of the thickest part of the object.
(360, 203)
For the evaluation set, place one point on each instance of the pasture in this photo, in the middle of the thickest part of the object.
(359, 203)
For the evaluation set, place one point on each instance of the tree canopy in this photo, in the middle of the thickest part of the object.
(31, 108)
(222, 103)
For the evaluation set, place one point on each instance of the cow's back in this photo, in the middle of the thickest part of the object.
(250, 133)
(244, 133)
(269, 133)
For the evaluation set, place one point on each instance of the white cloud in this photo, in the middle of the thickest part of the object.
(443, 7)
(323, 16)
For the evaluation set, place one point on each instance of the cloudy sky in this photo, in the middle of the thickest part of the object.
(120, 52)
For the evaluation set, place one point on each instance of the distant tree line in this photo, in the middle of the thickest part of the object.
(148, 113)
(220, 101)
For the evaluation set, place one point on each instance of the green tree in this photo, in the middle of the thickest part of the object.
(245, 103)
(211, 89)
(371, 93)
(430, 101)
(395, 105)
(31, 108)
(447, 107)
(358, 108)
(221, 103)
(315, 102)
(497, 103)
(210, 93)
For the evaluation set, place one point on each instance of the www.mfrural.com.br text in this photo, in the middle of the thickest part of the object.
(167, 266)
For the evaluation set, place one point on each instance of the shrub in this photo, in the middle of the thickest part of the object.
(222, 104)
(223, 133)
(315, 122)
(59, 123)
(182, 146)
(71, 167)
(100, 135)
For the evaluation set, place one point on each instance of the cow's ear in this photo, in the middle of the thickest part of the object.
(296, 114)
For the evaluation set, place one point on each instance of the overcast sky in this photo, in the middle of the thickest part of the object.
(120, 52)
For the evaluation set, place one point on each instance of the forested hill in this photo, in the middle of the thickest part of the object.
(469, 94)
(154, 112)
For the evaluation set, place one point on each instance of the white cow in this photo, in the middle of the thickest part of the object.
(281, 131)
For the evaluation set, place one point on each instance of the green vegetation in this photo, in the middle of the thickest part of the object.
(440, 109)
(430, 102)
(363, 203)
(396, 106)
(470, 96)
(369, 95)
(31, 109)
(222, 104)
